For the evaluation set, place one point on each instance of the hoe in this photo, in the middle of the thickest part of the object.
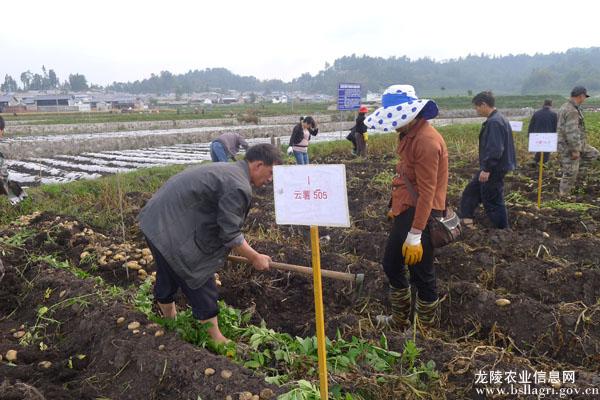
(357, 279)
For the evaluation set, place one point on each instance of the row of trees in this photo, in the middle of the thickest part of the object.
(198, 81)
(513, 74)
(44, 81)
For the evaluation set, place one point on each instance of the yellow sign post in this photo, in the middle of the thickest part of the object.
(319, 312)
(542, 142)
(539, 203)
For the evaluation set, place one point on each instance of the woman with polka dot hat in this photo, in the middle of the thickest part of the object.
(418, 191)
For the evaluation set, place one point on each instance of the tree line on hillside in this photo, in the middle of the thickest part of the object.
(46, 80)
(512, 74)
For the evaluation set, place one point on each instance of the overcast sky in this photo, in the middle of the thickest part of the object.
(126, 40)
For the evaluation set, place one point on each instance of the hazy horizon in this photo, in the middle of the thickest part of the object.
(128, 41)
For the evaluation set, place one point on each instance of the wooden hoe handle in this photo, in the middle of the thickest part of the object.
(342, 276)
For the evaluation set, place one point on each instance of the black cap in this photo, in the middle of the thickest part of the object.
(579, 90)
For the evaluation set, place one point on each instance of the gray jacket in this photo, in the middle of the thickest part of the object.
(197, 216)
(232, 141)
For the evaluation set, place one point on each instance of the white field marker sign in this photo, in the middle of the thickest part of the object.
(543, 142)
(516, 126)
(311, 195)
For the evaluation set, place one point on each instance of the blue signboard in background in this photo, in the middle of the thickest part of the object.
(348, 96)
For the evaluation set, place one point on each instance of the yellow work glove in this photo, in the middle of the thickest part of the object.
(366, 136)
(412, 249)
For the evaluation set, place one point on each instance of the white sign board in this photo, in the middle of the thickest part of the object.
(516, 126)
(544, 142)
(311, 195)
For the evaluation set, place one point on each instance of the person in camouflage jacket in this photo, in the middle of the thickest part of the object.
(572, 140)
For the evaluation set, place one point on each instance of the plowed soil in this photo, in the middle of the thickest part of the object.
(547, 266)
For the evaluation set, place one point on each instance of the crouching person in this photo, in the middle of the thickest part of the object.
(194, 221)
(418, 191)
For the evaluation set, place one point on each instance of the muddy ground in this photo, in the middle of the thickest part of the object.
(547, 266)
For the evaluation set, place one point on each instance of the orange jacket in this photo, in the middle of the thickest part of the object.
(424, 161)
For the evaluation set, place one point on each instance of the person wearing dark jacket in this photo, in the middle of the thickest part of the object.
(300, 137)
(496, 158)
(226, 146)
(194, 221)
(360, 131)
(543, 120)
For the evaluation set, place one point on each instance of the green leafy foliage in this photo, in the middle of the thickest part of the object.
(282, 357)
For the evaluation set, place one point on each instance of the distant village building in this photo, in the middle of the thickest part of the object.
(283, 99)
(54, 102)
(229, 100)
(373, 98)
(47, 100)
(7, 101)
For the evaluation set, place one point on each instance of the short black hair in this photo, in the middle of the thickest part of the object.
(486, 97)
(547, 103)
(2, 124)
(265, 152)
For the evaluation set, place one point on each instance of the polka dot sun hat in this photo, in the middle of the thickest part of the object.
(399, 106)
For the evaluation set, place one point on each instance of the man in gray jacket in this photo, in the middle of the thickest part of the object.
(194, 221)
(226, 146)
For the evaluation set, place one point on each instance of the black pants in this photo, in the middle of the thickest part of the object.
(422, 274)
(490, 194)
(202, 300)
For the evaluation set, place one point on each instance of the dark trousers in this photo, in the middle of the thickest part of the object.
(202, 300)
(490, 194)
(538, 155)
(361, 145)
(422, 274)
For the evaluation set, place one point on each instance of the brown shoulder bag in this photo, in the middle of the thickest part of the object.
(444, 229)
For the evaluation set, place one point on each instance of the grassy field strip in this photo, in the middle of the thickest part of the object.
(108, 162)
